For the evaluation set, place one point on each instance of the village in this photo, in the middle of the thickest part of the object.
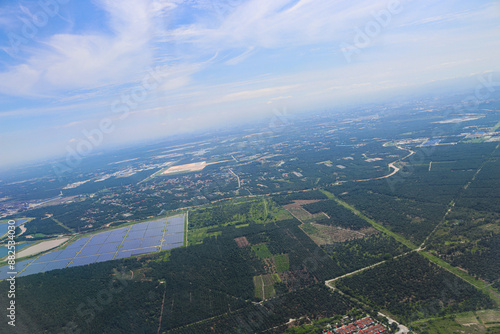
(362, 326)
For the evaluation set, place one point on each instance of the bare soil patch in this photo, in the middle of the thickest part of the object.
(193, 167)
(326, 234)
(242, 242)
(41, 247)
(298, 203)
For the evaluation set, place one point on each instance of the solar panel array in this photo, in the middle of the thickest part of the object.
(137, 239)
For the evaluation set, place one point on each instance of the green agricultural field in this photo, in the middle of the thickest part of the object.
(196, 236)
(489, 318)
(264, 286)
(480, 322)
(282, 263)
(448, 326)
(261, 251)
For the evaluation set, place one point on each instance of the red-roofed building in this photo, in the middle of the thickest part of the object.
(376, 329)
(346, 329)
(362, 323)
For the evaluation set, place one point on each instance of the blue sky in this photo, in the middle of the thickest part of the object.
(68, 67)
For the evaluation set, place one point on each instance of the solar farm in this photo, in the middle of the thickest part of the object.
(141, 238)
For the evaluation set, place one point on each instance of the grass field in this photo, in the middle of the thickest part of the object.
(196, 236)
(326, 234)
(261, 251)
(489, 318)
(480, 322)
(276, 278)
(264, 286)
(282, 263)
(448, 326)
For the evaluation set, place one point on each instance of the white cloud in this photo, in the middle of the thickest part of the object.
(90, 60)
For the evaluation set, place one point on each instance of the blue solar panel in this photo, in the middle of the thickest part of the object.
(131, 244)
(173, 238)
(121, 255)
(151, 233)
(105, 257)
(99, 239)
(176, 221)
(144, 250)
(79, 243)
(153, 225)
(81, 261)
(21, 265)
(157, 223)
(33, 269)
(139, 227)
(149, 242)
(4, 275)
(67, 254)
(56, 265)
(175, 229)
(3, 272)
(89, 250)
(48, 257)
(135, 235)
(167, 246)
(109, 248)
(115, 238)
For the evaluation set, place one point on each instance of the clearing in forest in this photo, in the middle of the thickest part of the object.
(242, 242)
(327, 234)
(264, 286)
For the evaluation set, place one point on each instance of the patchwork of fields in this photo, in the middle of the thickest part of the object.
(141, 238)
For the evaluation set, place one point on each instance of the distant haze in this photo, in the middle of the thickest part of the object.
(120, 71)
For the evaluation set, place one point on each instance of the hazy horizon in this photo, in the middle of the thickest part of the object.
(120, 72)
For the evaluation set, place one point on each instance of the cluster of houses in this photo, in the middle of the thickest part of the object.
(362, 326)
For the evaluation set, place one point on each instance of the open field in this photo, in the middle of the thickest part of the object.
(261, 251)
(281, 262)
(303, 215)
(326, 234)
(299, 202)
(489, 318)
(192, 167)
(264, 288)
(242, 242)
(41, 247)
(447, 325)
(468, 323)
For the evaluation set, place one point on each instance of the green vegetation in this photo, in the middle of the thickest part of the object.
(359, 253)
(214, 286)
(413, 288)
(235, 212)
(264, 287)
(480, 322)
(377, 226)
(456, 271)
(261, 251)
(412, 219)
(284, 199)
(196, 236)
(315, 302)
(282, 263)
(46, 226)
(339, 215)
